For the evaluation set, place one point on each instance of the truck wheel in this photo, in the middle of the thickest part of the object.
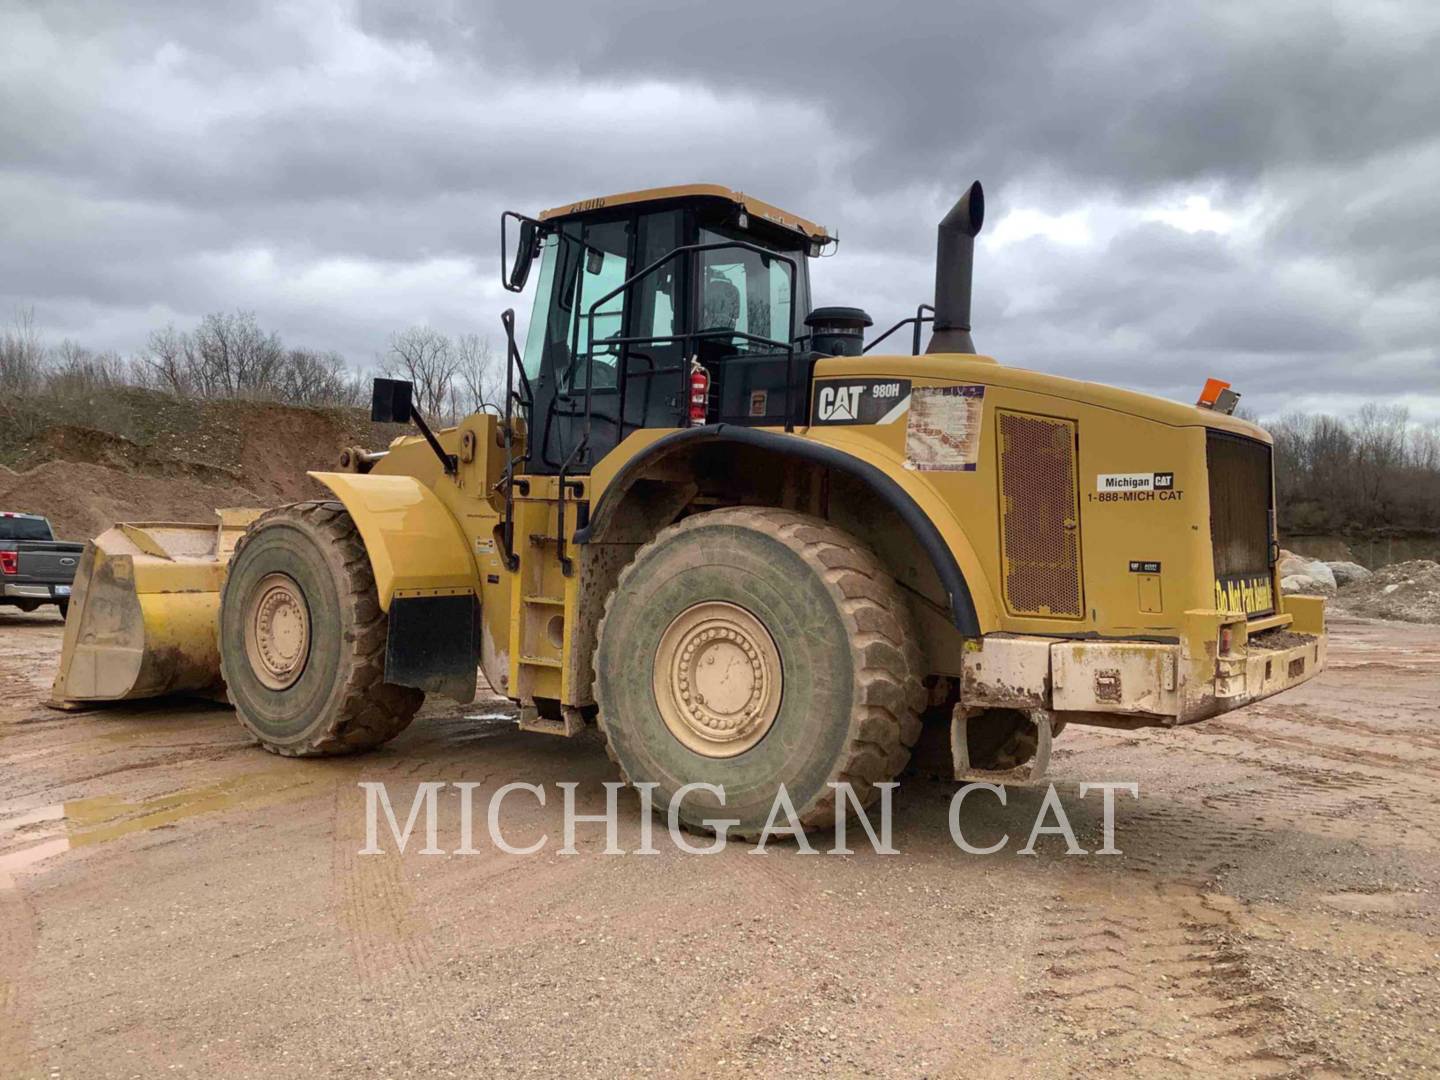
(750, 648)
(64, 606)
(302, 637)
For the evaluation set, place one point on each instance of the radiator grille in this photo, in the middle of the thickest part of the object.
(1240, 487)
(1040, 517)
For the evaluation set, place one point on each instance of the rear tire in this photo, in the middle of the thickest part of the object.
(64, 606)
(302, 637)
(803, 644)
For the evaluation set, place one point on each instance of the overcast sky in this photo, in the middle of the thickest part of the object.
(1248, 190)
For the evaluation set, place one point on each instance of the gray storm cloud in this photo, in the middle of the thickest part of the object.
(1243, 190)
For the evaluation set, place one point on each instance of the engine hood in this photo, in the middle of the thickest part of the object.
(959, 368)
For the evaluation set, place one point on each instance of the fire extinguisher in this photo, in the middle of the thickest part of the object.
(699, 393)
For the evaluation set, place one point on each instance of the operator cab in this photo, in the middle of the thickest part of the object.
(634, 290)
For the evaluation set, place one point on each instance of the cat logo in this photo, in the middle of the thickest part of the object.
(838, 403)
(861, 401)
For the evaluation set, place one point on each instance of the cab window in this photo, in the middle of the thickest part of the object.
(744, 291)
(601, 265)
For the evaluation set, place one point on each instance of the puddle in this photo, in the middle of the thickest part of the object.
(108, 817)
(12, 862)
(32, 817)
(489, 725)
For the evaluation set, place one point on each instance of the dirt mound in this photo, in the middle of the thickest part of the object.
(136, 455)
(273, 445)
(67, 442)
(1407, 590)
(83, 500)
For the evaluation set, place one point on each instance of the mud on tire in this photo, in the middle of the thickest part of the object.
(849, 708)
(339, 703)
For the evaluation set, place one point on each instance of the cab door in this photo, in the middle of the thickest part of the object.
(627, 352)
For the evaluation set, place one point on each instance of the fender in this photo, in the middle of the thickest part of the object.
(415, 544)
(425, 579)
(922, 511)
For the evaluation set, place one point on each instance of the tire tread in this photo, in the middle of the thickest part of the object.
(885, 721)
(370, 711)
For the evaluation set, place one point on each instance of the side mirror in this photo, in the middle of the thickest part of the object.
(514, 275)
(390, 401)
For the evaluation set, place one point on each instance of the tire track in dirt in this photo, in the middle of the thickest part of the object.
(1158, 980)
(17, 950)
(384, 931)
(1330, 801)
(1412, 735)
(1346, 754)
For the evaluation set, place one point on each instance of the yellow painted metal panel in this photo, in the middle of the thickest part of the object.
(414, 542)
(752, 205)
(144, 613)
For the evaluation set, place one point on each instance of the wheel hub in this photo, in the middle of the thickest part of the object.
(277, 631)
(717, 679)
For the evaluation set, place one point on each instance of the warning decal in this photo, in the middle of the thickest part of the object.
(942, 433)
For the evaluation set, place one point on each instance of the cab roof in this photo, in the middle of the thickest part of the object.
(751, 205)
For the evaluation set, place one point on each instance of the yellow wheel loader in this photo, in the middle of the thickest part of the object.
(753, 548)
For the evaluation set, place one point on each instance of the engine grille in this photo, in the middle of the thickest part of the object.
(1240, 522)
(1040, 516)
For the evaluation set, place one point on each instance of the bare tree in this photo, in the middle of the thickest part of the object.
(230, 356)
(426, 358)
(1374, 473)
(306, 377)
(482, 379)
(22, 356)
(74, 370)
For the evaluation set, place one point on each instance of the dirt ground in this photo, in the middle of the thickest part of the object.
(174, 901)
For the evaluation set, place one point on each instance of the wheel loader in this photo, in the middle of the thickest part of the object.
(752, 548)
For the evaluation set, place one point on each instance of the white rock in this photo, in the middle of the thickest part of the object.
(1298, 583)
(1292, 565)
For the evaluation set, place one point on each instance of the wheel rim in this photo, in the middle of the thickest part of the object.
(717, 679)
(277, 631)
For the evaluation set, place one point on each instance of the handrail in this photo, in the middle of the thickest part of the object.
(621, 372)
(919, 319)
(513, 363)
(688, 337)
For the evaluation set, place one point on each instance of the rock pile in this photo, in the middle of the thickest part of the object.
(1406, 590)
(1299, 574)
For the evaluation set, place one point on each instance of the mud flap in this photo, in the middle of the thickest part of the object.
(1034, 769)
(434, 644)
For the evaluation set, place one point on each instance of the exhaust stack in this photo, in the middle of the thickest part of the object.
(954, 263)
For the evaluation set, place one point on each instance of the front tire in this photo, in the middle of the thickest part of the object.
(302, 637)
(750, 648)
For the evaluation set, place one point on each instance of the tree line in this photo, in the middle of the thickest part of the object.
(229, 355)
(1375, 473)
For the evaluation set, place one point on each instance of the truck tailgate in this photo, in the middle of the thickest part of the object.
(50, 564)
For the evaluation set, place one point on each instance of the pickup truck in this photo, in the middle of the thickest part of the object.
(35, 568)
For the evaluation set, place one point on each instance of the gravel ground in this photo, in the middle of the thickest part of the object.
(175, 901)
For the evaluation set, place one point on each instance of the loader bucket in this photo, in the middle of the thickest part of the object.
(144, 611)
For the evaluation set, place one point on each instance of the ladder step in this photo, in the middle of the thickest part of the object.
(541, 661)
(547, 601)
(571, 724)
